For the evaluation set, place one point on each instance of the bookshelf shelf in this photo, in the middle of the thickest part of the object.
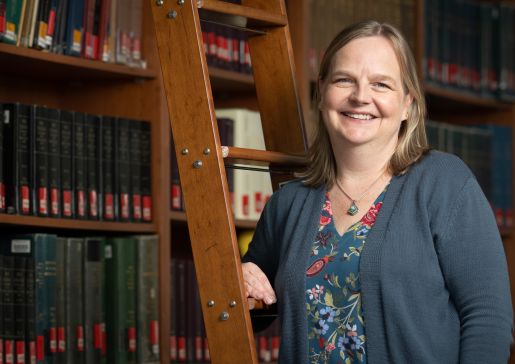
(73, 224)
(29, 62)
(180, 216)
(442, 98)
(230, 81)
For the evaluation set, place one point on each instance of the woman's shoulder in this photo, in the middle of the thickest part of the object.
(294, 190)
(442, 165)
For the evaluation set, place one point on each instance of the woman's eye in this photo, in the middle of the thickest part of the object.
(343, 80)
(381, 85)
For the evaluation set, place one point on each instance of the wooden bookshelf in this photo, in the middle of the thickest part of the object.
(180, 216)
(74, 224)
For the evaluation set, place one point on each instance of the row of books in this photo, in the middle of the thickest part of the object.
(226, 48)
(249, 189)
(470, 46)
(59, 163)
(331, 16)
(488, 151)
(79, 300)
(188, 342)
(107, 30)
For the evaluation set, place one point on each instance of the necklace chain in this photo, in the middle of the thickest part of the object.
(353, 209)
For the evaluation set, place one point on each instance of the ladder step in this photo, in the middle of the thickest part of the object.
(262, 157)
(239, 15)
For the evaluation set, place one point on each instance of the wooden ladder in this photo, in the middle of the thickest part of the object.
(199, 153)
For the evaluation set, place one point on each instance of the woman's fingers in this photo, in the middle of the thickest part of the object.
(257, 284)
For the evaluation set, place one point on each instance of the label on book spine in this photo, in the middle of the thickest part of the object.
(2, 200)
(136, 207)
(97, 336)
(32, 352)
(9, 352)
(42, 196)
(173, 347)
(61, 340)
(40, 348)
(154, 336)
(198, 348)
(81, 204)
(131, 334)
(25, 199)
(147, 208)
(109, 206)
(80, 338)
(181, 348)
(124, 202)
(93, 206)
(53, 339)
(67, 203)
(54, 201)
(1, 344)
(20, 352)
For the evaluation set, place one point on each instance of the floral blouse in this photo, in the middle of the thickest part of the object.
(336, 331)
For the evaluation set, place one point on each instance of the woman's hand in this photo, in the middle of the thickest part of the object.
(257, 284)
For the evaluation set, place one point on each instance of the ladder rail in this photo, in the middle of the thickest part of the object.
(200, 159)
(200, 162)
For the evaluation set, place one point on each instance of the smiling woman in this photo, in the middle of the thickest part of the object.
(382, 251)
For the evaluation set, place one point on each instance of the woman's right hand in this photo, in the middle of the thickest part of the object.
(257, 284)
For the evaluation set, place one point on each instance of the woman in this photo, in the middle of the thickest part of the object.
(383, 251)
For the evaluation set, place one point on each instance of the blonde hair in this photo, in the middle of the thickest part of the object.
(412, 143)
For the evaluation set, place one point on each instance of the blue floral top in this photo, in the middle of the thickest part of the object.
(336, 329)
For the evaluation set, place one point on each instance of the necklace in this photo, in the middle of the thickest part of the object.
(353, 209)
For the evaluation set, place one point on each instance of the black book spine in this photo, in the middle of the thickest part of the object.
(122, 165)
(79, 165)
(146, 173)
(54, 162)
(92, 164)
(135, 166)
(8, 307)
(2, 166)
(107, 187)
(17, 159)
(66, 164)
(39, 149)
(30, 304)
(1, 310)
(19, 289)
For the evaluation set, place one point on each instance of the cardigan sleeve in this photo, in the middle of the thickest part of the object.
(474, 266)
(262, 249)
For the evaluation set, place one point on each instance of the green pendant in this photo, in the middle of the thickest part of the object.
(353, 209)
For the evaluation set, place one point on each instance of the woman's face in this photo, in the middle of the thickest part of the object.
(362, 98)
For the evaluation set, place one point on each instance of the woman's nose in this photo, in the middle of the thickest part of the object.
(360, 94)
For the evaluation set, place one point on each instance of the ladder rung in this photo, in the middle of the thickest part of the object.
(240, 15)
(262, 157)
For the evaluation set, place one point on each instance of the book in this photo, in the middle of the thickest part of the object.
(39, 154)
(146, 170)
(93, 165)
(39, 250)
(147, 293)
(74, 28)
(120, 273)
(9, 324)
(107, 189)
(12, 21)
(135, 155)
(74, 299)
(122, 168)
(79, 166)
(3, 157)
(62, 347)
(94, 304)
(66, 162)
(54, 162)
(17, 137)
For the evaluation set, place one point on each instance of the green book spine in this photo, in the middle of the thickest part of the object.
(147, 285)
(74, 298)
(94, 308)
(60, 303)
(121, 300)
(12, 21)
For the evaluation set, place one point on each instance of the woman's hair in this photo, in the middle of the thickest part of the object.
(412, 143)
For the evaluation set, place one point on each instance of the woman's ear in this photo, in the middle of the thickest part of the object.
(407, 107)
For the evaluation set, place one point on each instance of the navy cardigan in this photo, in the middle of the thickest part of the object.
(433, 272)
